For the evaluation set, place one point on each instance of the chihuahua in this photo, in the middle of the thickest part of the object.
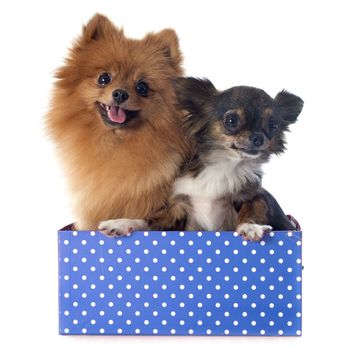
(235, 131)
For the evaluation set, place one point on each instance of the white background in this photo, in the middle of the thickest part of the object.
(299, 45)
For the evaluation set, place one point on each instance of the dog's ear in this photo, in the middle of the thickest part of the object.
(167, 42)
(192, 94)
(287, 106)
(97, 28)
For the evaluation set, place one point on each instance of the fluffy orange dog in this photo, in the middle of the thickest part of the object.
(113, 120)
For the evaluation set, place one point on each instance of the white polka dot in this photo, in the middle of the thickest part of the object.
(120, 331)
(244, 242)
(190, 242)
(298, 332)
(271, 252)
(244, 332)
(66, 242)
(262, 332)
(272, 234)
(226, 331)
(145, 233)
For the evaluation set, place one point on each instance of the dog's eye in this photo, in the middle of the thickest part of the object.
(142, 88)
(231, 121)
(272, 125)
(104, 79)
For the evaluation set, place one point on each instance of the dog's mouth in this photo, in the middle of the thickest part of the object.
(115, 116)
(247, 152)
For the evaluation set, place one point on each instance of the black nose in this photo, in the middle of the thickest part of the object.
(257, 139)
(120, 96)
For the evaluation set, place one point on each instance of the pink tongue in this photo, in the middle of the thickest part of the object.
(117, 114)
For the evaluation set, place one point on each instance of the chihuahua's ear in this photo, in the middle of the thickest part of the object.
(287, 106)
(97, 28)
(193, 93)
(167, 42)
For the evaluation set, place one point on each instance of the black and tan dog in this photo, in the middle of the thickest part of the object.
(236, 131)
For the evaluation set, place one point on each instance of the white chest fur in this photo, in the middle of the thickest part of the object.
(222, 176)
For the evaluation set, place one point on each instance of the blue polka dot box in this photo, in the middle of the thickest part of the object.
(179, 283)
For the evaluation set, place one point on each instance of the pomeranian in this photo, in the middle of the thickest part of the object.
(235, 132)
(113, 119)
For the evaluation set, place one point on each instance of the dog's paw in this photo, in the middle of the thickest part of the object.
(253, 232)
(121, 227)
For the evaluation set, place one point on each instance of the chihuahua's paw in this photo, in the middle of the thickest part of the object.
(121, 227)
(253, 232)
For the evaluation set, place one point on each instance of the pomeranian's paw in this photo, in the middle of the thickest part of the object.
(253, 232)
(121, 227)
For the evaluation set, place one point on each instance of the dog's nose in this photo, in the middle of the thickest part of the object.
(257, 139)
(120, 96)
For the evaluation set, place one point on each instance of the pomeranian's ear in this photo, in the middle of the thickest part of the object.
(168, 43)
(287, 106)
(193, 93)
(98, 27)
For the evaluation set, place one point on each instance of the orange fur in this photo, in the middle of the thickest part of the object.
(121, 172)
